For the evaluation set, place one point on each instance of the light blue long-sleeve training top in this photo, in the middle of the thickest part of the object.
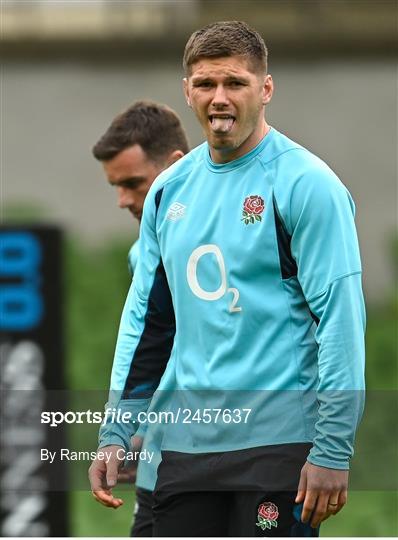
(249, 283)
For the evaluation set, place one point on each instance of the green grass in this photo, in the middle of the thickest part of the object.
(90, 518)
(365, 514)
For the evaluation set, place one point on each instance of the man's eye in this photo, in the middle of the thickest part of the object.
(236, 83)
(130, 185)
(204, 84)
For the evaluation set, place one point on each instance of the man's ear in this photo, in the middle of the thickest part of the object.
(268, 89)
(173, 157)
(186, 90)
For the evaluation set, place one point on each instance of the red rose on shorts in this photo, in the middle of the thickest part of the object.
(269, 511)
(253, 207)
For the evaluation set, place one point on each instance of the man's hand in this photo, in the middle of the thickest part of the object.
(323, 491)
(103, 477)
(128, 473)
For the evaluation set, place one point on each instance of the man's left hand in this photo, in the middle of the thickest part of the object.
(323, 492)
(128, 473)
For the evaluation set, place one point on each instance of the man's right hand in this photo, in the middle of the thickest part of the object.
(103, 476)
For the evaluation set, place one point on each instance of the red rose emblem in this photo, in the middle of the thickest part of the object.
(268, 510)
(253, 207)
(254, 204)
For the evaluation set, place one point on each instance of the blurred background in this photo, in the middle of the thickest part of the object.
(69, 67)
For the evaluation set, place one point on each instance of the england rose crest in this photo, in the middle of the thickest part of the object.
(267, 515)
(253, 207)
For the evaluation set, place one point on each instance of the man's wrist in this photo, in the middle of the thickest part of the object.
(113, 440)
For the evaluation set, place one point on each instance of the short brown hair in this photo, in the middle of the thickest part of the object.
(155, 127)
(226, 38)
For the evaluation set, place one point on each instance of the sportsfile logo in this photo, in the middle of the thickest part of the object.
(176, 211)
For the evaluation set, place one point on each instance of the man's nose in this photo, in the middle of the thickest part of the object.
(124, 198)
(220, 97)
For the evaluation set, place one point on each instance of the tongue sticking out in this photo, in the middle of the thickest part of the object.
(223, 125)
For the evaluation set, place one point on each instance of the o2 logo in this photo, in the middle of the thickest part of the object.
(223, 289)
(21, 303)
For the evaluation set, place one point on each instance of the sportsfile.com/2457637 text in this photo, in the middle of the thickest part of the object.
(182, 415)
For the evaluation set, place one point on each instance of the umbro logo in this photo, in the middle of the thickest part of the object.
(176, 211)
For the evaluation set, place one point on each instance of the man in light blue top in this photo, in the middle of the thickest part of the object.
(249, 286)
(140, 143)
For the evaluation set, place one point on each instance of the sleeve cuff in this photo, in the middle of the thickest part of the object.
(120, 432)
(342, 465)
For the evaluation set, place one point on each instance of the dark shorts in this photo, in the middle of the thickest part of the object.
(246, 513)
(143, 516)
(247, 492)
